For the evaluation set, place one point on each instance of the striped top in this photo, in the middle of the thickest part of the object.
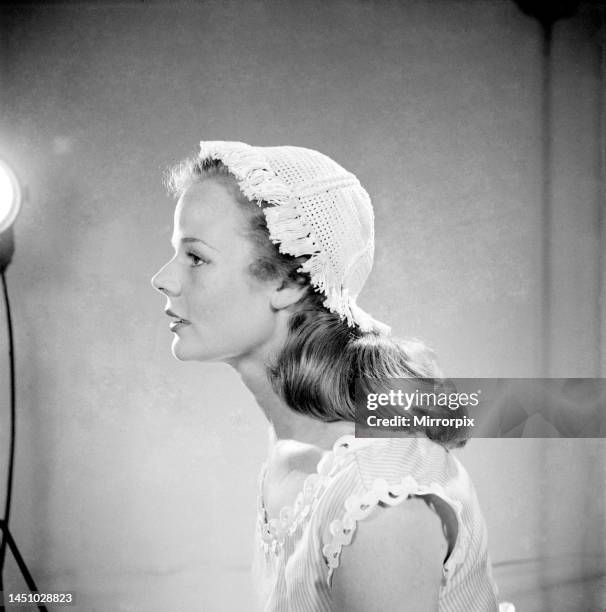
(297, 553)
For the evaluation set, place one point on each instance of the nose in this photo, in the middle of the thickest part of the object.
(165, 281)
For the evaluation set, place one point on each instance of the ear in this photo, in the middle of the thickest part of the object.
(287, 294)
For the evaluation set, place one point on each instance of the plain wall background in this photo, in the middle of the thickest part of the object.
(136, 474)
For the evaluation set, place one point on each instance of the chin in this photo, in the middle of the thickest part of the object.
(185, 351)
(216, 347)
(181, 351)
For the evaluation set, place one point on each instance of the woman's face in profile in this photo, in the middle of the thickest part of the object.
(226, 312)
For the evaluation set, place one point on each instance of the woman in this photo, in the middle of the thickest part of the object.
(272, 247)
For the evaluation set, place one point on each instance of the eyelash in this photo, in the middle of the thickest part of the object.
(195, 257)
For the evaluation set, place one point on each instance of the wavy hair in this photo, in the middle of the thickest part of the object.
(323, 362)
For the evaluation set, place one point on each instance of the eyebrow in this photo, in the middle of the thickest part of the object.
(192, 239)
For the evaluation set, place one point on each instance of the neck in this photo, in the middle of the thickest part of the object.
(285, 422)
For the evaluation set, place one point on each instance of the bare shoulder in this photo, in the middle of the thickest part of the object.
(395, 556)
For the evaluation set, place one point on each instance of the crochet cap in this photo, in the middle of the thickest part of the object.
(320, 209)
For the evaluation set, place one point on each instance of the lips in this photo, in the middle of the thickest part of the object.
(175, 325)
(175, 316)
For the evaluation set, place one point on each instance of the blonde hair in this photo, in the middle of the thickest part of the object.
(323, 358)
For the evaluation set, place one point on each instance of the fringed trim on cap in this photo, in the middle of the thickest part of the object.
(288, 227)
(290, 231)
(257, 181)
(366, 322)
(341, 302)
(318, 268)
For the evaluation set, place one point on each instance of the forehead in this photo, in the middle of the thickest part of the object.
(209, 208)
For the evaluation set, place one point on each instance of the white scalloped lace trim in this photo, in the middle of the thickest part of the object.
(358, 507)
(274, 532)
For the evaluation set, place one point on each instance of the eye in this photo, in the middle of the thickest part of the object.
(196, 261)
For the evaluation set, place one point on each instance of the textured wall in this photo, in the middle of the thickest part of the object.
(136, 474)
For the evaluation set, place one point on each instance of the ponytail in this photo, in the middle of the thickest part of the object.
(323, 360)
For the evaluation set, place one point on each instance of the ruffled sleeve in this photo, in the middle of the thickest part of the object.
(358, 507)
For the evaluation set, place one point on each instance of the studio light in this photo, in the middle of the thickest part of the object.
(10, 203)
(10, 196)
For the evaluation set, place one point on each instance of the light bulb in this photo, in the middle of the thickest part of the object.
(10, 197)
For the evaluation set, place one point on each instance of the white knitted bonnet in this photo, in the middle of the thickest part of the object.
(320, 209)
